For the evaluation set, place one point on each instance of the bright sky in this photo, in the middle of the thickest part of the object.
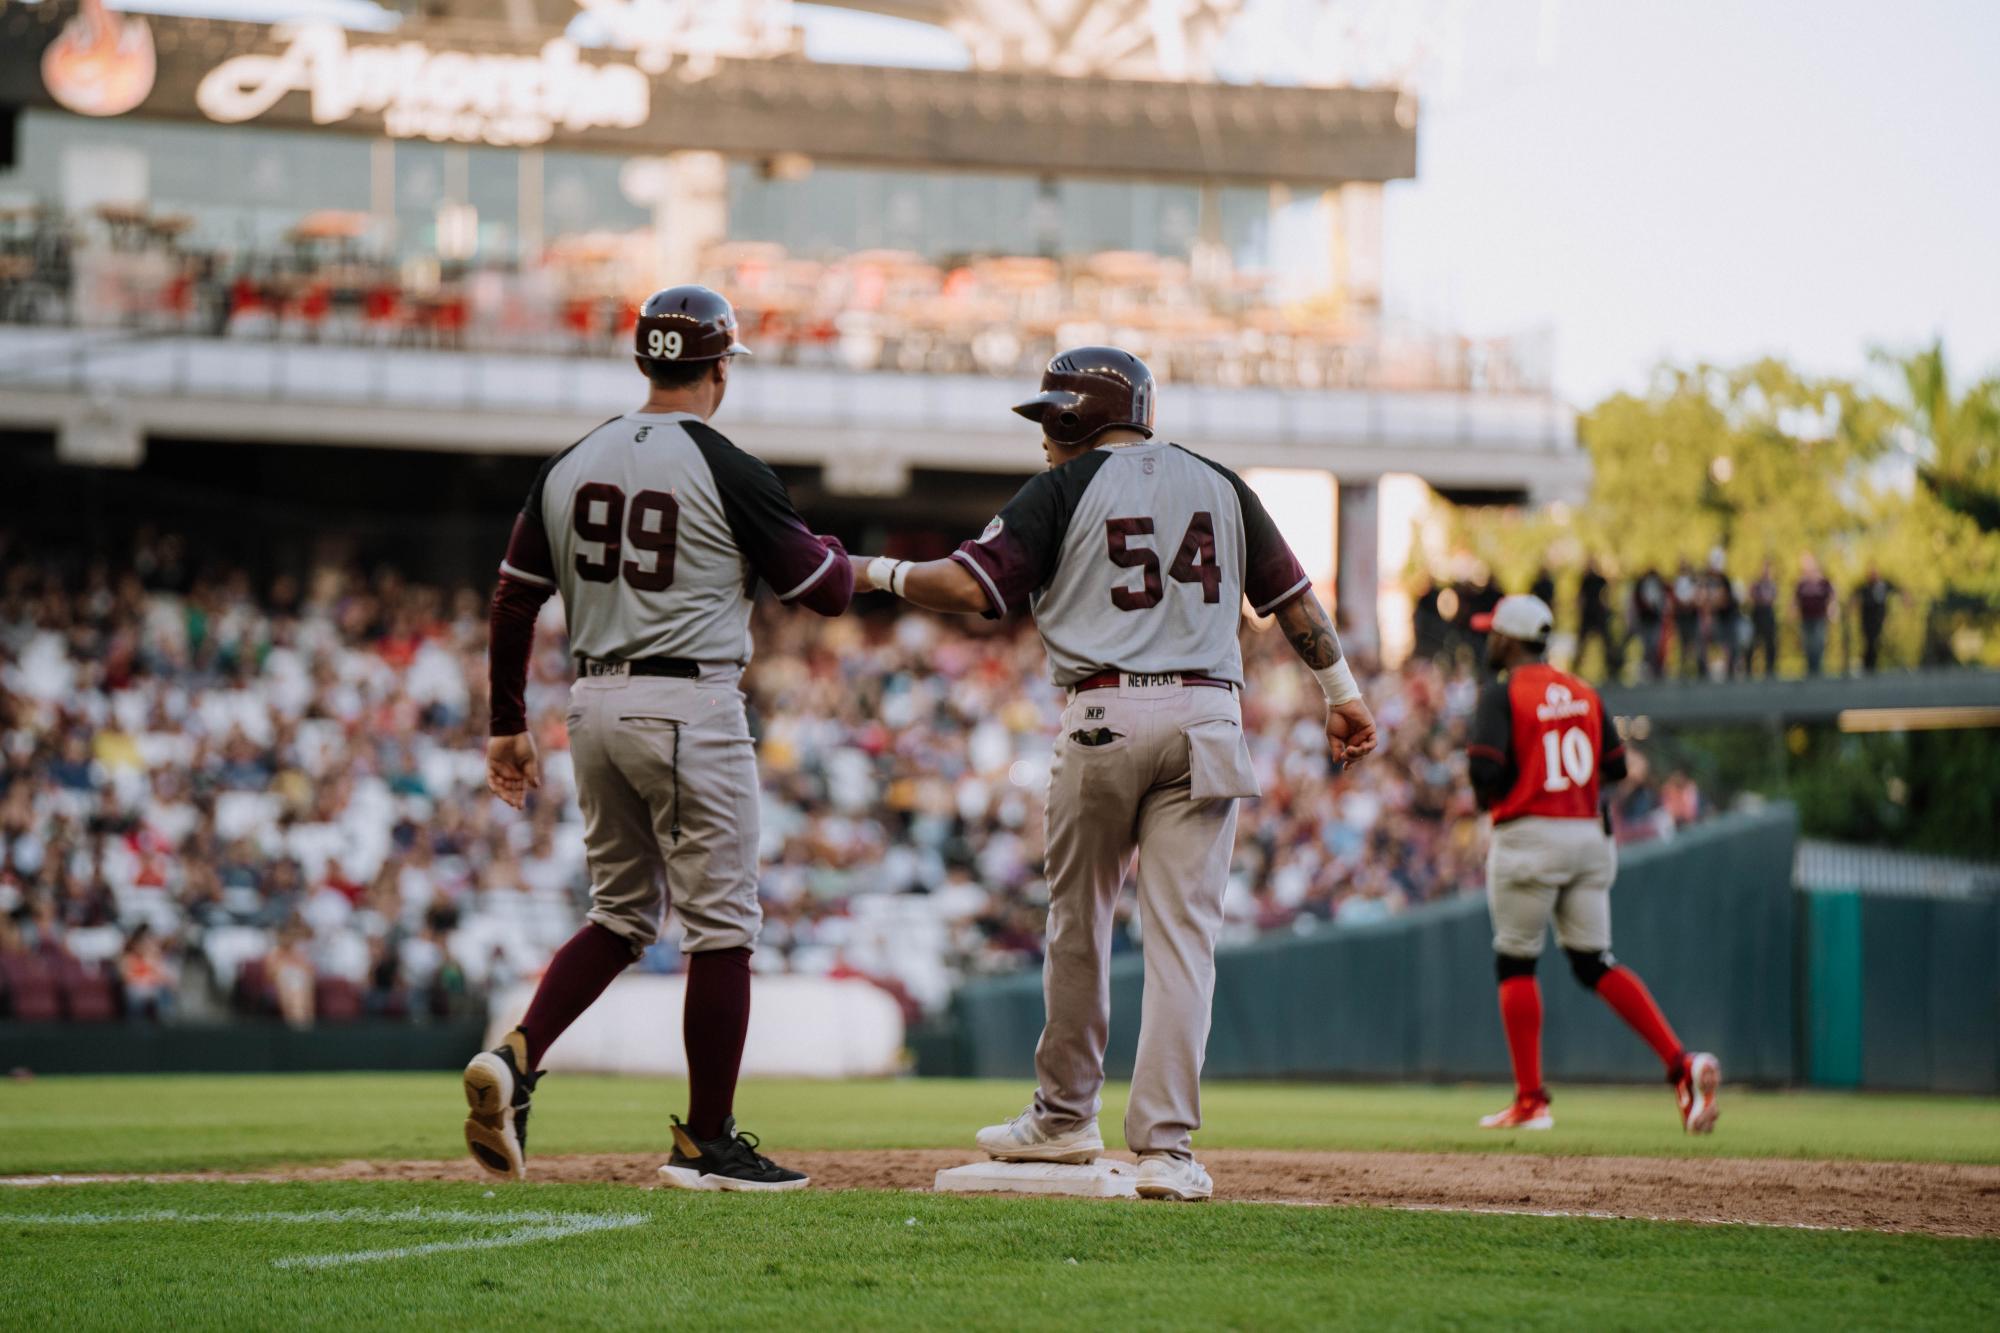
(1712, 179)
(1647, 179)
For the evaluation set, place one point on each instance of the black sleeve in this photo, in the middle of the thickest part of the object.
(1490, 750)
(1611, 768)
(1017, 553)
(786, 554)
(528, 558)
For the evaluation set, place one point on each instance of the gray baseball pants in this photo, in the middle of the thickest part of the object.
(666, 774)
(1163, 782)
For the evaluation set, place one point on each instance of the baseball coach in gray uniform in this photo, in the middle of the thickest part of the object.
(1136, 558)
(657, 532)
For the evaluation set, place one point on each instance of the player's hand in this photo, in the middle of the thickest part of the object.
(1350, 731)
(513, 769)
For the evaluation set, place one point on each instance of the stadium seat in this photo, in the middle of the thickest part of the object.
(254, 992)
(87, 993)
(31, 988)
(336, 1000)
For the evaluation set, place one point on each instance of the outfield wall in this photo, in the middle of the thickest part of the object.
(1707, 919)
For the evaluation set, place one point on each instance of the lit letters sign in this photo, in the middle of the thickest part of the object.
(425, 94)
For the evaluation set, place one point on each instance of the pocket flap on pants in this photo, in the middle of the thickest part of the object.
(1219, 762)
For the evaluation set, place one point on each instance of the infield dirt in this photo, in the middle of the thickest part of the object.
(1942, 1199)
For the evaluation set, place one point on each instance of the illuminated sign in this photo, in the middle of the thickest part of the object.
(99, 65)
(697, 33)
(421, 93)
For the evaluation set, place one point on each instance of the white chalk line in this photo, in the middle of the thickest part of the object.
(529, 1226)
(1593, 1215)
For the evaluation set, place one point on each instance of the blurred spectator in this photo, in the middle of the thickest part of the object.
(1650, 601)
(1544, 586)
(1722, 623)
(1763, 622)
(148, 977)
(1686, 602)
(1871, 601)
(1814, 598)
(1593, 619)
(292, 977)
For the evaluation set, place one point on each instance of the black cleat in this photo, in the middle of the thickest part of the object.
(731, 1162)
(496, 1131)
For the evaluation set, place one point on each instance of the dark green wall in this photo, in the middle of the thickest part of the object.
(1706, 919)
(231, 1048)
(1903, 992)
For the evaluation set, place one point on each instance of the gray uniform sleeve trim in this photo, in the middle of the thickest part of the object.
(811, 579)
(511, 572)
(985, 581)
(1283, 597)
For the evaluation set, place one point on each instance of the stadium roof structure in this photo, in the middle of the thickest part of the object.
(980, 120)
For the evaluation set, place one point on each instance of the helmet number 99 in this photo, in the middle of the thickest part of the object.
(663, 344)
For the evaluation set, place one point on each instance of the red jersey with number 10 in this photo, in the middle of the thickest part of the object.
(1560, 740)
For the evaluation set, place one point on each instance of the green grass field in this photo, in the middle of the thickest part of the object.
(401, 1254)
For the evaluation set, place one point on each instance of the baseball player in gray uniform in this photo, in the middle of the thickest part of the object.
(657, 531)
(1136, 558)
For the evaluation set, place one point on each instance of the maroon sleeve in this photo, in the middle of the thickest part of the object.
(510, 627)
(802, 568)
(1272, 575)
(528, 557)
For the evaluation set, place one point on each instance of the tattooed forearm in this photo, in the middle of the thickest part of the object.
(1311, 634)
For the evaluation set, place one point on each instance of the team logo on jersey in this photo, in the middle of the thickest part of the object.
(1558, 703)
(992, 530)
(1093, 713)
(640, 438)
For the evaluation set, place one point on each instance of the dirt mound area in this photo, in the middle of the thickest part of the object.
(1938, 1198)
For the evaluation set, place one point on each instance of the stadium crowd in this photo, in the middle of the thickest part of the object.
(1692, 625)
(216, 795)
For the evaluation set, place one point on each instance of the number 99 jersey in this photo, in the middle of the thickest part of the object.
(1551, 733)
(657, 530)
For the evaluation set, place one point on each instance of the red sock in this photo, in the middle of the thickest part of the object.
(713, 1024)
(1521, 1015)
(1625, 993)
(576, 976)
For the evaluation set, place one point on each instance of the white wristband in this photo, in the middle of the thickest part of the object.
(880, 570)
(901, 577)
(1338, 684)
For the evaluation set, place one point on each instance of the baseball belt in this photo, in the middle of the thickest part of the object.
(680, 668)
(1111, 680)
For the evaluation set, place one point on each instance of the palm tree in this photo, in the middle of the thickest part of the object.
(1963, 434)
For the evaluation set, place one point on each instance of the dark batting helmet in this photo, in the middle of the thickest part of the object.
(690, 323)
(1089, 390)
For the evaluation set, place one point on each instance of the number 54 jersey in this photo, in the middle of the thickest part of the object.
(1550, 731)
(656, 530)
(1136, 558)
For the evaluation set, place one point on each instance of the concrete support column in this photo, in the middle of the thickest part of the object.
(1359, 534)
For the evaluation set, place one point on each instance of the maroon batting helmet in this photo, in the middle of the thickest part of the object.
(1089, 390)
(690, 323)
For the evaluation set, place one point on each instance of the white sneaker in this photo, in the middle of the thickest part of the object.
(1181, 1179)
(1022, 1139)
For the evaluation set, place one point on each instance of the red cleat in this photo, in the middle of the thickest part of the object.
(1700, 1078)
(1527, 1112)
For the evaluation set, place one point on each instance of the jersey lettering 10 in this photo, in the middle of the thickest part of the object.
(649, 525)
(1567, 759)
(1193, 563)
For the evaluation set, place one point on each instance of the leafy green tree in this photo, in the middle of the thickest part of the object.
(1762, 461)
